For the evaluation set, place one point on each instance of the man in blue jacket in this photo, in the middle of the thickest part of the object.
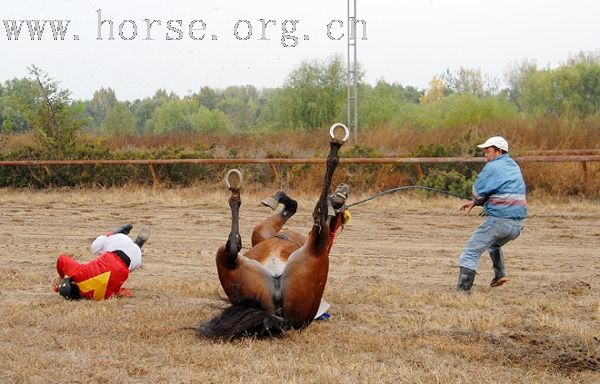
(500, 189)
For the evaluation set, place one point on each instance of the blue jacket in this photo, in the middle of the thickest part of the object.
(500, 189)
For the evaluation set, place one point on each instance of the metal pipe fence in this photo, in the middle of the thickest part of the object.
(150, 163)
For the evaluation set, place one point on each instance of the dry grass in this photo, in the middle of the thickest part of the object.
(526, 135)
(395, 317)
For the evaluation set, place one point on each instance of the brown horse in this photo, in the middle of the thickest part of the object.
(278, 284)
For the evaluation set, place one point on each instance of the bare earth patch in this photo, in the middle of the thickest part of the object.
(396, 318)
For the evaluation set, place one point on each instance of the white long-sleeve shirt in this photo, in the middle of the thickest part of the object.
(119, 242)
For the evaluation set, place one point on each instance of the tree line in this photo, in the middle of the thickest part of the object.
(314, 94)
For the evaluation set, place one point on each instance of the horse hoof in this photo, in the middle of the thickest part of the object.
(340, 195)
(339, 133)
(270, 202)
(234, 179)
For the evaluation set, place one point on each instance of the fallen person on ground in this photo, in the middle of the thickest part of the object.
(103, 277)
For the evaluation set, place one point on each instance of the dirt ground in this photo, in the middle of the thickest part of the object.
(395, 315)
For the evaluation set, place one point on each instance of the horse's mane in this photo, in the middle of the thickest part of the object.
(245, 318)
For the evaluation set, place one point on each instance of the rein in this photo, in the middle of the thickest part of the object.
(407, 188)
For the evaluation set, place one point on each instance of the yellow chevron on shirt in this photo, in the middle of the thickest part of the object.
(97, 284)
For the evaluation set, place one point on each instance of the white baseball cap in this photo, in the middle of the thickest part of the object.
(495, 141)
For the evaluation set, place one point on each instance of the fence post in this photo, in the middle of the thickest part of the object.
(275, 173)
(586, 178)
(155, 180)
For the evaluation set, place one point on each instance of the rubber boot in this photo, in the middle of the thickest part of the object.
(498, 265)
(142, 237)
(124, 229)
(466, 277)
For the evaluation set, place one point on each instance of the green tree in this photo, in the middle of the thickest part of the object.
(54, 119)
(209, 97)
(572, 90)
(240, 104)
(207, 121)
(144, 109)
(16, 97)
(514, 75)
(118, 121)
(313, 95)
(103, 100)
(471, 81)
(463, 109)
(386, 103)
(173, 116)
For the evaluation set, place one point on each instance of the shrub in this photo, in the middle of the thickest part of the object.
(451, 181)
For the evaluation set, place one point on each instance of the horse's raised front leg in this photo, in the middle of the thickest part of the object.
(273, 224)
(248, 285)
(306, 272)
(241, 278)
(227, 255)
(324, 209)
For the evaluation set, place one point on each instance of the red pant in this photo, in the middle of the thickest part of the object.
(99, 279)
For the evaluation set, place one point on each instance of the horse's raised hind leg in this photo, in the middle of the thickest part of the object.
(273, 224)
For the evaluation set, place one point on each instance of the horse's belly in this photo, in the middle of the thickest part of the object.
(272, 254)
(274, 266)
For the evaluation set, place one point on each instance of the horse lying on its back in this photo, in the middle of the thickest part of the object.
(278, 284)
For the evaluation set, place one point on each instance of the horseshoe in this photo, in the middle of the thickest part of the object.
(234, 179)
(334, 128)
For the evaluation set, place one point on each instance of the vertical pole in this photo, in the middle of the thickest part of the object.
(349, 69)
(586, 179)
(355, 85)
(352, 102)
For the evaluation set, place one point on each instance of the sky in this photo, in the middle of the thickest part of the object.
(403, 41)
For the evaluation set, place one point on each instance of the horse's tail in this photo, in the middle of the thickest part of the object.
(243, 319)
